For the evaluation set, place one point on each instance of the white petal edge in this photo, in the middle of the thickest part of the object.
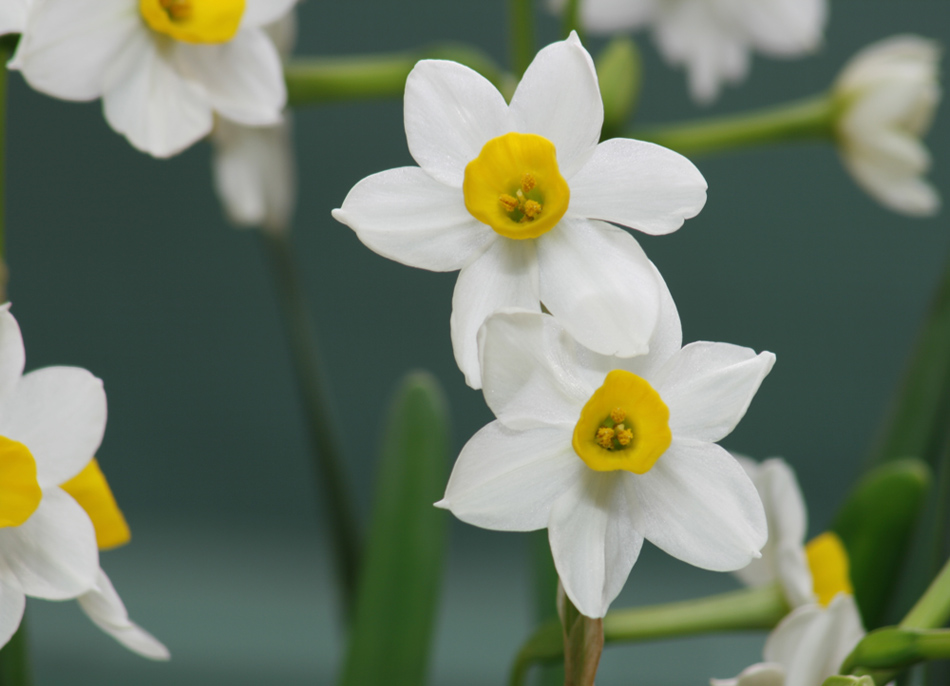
(261, 12)
(760, 674)
(12, 605)
(12, 353)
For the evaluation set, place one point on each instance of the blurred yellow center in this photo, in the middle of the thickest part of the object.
(515, 187)
(92, 492)
(20, 493)
(194, 21)
(624, 425)
(828, 561)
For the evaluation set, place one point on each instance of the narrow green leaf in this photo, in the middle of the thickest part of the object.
(619, 72)
(876, 525)
(399, 586)
(15, 659)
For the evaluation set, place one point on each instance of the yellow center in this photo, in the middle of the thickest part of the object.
(624, 425)
(828, 561)
(92, 492)
(515, 187)
(20, 493)
(194, 21)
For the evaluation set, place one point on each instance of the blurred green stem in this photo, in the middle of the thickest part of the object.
(572, 12)
(521, 26)
(315, 80)
(809, 119)
(742, 610)
(932, 610)
(312, 387)
(15, 659)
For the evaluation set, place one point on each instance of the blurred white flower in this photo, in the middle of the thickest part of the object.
(806, 647)
(517, 198)
(888, 94)
(812, 573)
(606, 452)
(712, 39)
(253, 166)
(161, 67)
(51, 424)
(13, 16)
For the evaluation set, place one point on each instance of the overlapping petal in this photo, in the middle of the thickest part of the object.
(450, 112)
(407, 216)
(637, 184)
(698, 505)
(508, 480)
(258, 13)
(12, 354)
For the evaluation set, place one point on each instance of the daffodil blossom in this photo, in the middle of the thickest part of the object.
(888, 94)
(712, 39)
(51, 423)
(253, 166)
(606, 452)
(806, 647)
(812, 573)
(161, 67)
(517, 198)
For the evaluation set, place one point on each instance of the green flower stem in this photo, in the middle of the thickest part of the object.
(312, 386)
(521, 26)
(932, 610)
(15, 659)
(572, 18)
(315, 80)
(893, 649)
(809, 119)
(742, 610)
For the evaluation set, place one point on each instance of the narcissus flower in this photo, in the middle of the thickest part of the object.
(161, 67)
(606, 452)
(888, 94)
(712, 39)
(517, 198)
(54, 501)
(253, 166)
(808, 573)
(806, 647)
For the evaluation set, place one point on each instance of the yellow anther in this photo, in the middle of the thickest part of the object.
(509, 202)
(624, 435)
(618, 415)
(178, 10)
(605, 437)
(528, 182)
(532, 209)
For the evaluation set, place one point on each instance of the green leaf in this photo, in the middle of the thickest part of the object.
(399, 586)
(876, 525)
(620, 73)
(15, 659)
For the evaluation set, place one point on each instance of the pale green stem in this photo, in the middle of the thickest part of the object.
(15, 659)
(521, 26)
(809, 119)
(315, 80)
(932, 610)
(572, 13)
(743, 610)
(312, 387)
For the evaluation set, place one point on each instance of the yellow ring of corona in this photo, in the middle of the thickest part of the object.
(645, 414)
(20, 493)
(830, 569)
(194, 21)
(91, 490)
(499, 171)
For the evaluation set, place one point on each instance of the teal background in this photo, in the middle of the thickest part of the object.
(122, 264)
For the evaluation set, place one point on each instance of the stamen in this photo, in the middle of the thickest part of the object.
(509, 202)
(177, 9)
(624, 435)
(605, 438)
(532, 209)
(528, 182)
(618, 415)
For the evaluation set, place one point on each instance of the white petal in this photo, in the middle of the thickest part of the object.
(611, 16)
(283, 32)
(254, 173)
(59, 413)
(12, 354)
(54, 553)
(508, 480)
(782, 28)
(12, 604)
(158, 110)
(596, 279)
(450, 113)
(532, 371)
(105, 608)
(70, 47)
(637, 184)
(592, 541)
(407, 216)
(13, 20)
(698, 505)
(261, 12)
(243, 78)
(504, 276)
(905, 193)
(708, 387)
(559, 98)
(761, 674)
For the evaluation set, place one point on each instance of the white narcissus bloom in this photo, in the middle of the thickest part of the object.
(54, 501)
(888, 94)
(606, 452)
(161, 67)
(253, 166)
(812, 573)
(806, 647)
(518, 197)
(712, 39)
